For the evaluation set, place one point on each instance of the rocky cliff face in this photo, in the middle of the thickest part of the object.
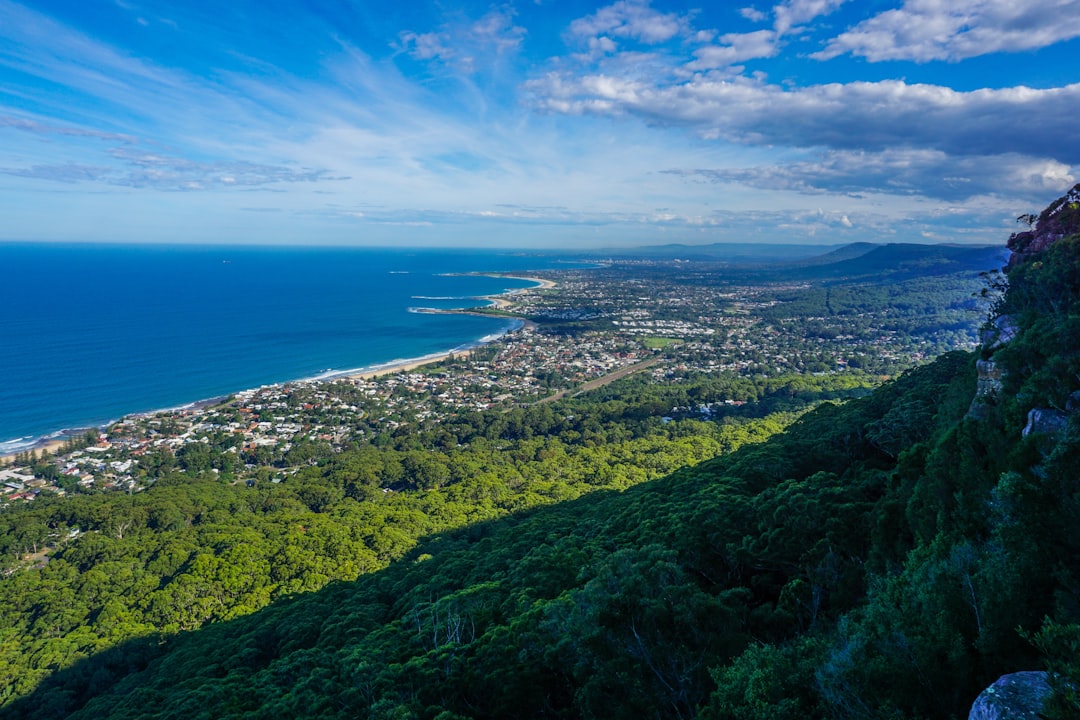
(1023, 695)
(1060, 219)
(987, 388)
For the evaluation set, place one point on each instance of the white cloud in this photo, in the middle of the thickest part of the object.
(466, 45)
(924, 173)
(497, 29)
(852, 116)
(528, 215)
(142, 169)
(598, 48)
(426, 46)
(631, 19)
(414, 147)
(32, 126)
(735, 48)
(789, 15)
(925, 30)
(752, 14)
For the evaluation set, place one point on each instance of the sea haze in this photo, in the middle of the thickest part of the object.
(94, 332)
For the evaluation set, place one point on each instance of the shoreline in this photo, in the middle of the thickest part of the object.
(39, 449)
(49, 444)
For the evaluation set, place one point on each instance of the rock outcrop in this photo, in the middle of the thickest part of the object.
(998, 332)
(1018, 696)
(990, 375)
(987, 388)
(1061, 218)
(1023, 695)
(1045, 421)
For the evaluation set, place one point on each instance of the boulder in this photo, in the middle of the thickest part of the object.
(1000, 331)
(1045, 421)
(1073, 404)
(1018, 696)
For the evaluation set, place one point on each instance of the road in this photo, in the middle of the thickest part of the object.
(600, 381)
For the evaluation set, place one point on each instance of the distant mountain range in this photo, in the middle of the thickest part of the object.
(899, 260)
(735, 253)
(825, 261)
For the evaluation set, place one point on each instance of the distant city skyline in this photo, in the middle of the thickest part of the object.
(534, 124)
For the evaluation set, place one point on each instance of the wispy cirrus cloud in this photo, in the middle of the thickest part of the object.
(427, 46)
(137, 167)
(65, 173)
(522, 214)
(195, 133)
(44, 129)
(466, 44)
(140, 169)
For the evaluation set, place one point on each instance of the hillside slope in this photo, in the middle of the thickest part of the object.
(610, 605)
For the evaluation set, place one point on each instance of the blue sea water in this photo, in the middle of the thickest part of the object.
(94, 332)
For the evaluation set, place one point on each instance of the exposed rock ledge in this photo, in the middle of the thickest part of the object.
(987, 388)
(1061, 218)
(1045, 421)
(1001, 330)
(1019, 696)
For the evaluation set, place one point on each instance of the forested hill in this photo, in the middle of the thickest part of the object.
(826, 262)
(896, 261)
(887, 557)
(905, 260)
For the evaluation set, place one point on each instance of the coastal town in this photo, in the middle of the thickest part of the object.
(579, 329)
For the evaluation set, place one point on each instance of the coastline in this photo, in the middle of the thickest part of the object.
(40, 448)
(408, 364)
(498, 300)
(49, 444)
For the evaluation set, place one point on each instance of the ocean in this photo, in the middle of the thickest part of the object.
(91, 333)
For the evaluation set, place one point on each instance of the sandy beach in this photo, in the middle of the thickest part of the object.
(407, 365)
(501, 301)
(542, 284)
(38, 449)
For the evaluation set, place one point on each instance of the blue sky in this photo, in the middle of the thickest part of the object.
(537, 123)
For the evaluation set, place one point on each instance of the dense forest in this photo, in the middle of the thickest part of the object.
(87, 571)
(887, 556)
